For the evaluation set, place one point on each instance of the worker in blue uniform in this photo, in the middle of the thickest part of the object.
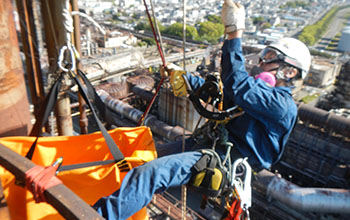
(259, 134)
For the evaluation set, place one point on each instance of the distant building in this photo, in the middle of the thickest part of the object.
(123, 41)
(322, 73)
(340, 96)
(127, 3)
(344, 42)
(268, 36)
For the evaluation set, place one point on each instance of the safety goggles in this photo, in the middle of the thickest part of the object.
(271, 55)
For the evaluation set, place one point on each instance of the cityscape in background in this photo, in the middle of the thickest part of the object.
(266, 21)
(120, 58)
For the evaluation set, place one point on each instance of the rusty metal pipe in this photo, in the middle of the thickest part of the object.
(126, 110)
(144, 94)
(26, 10)
(321, 118)
(14, 106)
(83, 122)
(307, 199)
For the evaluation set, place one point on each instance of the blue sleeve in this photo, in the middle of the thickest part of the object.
(195, 81)
(254, 96)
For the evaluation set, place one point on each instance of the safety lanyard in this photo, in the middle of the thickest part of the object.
(242, 198)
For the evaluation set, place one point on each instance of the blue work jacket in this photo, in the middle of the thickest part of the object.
(270, 112)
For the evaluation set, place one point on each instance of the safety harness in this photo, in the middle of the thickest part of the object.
(213, 177)
(210, 176)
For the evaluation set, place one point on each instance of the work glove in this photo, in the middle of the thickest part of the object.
(178, 83)
(233, 16)
(176, 78)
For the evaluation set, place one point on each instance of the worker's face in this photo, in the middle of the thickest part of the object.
(280, 72)
(270, 62)
(272, 68)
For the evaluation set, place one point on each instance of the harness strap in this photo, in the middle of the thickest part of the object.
(104, 112)
(48, 106)
(209, 172)
(201, 163)
(123, 165)
(208, 177)
(113, 148)
(45, 110)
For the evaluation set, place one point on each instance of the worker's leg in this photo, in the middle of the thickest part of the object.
(142, 182)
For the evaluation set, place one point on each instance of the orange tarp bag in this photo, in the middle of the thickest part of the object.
(133, 145)
(90, 183)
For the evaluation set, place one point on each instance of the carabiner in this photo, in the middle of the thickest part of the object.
(243, 188)
(61, 58)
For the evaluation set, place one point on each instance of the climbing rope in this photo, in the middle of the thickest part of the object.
(156, 26)
(81, 14)
(144, 115)
(184, 188)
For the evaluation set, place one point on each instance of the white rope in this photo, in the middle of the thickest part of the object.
(67, 20)
(184, 188)
(156, 27)
(99, 27)
(184, 34)
(65, 43)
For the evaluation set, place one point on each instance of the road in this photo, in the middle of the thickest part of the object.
(333, 29)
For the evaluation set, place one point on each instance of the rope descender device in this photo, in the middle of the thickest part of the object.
(212, 88)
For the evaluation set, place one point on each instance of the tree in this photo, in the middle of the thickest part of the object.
(176, 30)
(214, 19)
(141, 26)
(258, 20)
(266, 25)
(211, 31)
(308, 39)
(149, 41)
(144, 25)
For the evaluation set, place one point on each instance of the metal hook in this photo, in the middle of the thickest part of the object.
(244, 189)
(61, 58)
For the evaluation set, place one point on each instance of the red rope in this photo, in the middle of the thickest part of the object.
(154, 34)
(235, 212)
(144, 115)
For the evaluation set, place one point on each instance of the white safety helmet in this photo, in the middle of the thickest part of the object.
(295, 53)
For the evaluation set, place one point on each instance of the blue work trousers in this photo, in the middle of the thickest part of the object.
(140, 184)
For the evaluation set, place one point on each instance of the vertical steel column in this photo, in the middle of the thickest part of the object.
(82, 105)
(29, 42)
(55, 35)
(14, 106)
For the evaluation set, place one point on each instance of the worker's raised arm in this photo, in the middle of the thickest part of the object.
(233, 18)
(232, 62)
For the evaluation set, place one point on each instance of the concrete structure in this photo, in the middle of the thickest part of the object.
(340, 96)
(172, 110)
(344, 43)
(123, 41)
(322, 73)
